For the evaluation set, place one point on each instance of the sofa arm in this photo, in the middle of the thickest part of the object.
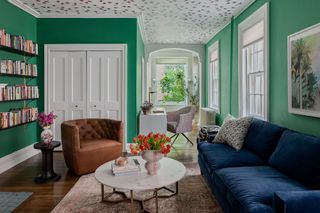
(297, 201)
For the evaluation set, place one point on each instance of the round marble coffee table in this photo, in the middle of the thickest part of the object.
(170, 172)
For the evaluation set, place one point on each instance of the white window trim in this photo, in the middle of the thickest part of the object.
(262, 14)
(214, 47)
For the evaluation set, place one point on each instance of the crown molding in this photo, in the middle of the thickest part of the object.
(141, 27)
(56, 15)
(25, 8)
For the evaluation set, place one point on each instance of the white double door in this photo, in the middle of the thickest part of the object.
(84, 84)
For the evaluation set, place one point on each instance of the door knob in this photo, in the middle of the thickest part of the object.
(76, 105)
(94, 105)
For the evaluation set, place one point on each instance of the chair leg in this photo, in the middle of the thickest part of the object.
(187, 138)
(173, 135)
(177, 135)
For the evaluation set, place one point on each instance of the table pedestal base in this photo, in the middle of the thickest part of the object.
(125, 198)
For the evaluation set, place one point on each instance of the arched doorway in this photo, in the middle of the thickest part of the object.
(170, 74)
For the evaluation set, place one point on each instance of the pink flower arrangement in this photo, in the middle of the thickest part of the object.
(151, 141)
(46, 119)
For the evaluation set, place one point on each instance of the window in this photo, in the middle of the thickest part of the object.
(213, 76)
(253, 65)
(171, 84)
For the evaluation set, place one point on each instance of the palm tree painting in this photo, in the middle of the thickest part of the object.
(304, 72)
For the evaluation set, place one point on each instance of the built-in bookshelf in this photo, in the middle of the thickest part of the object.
(20, 92)
(22, 124)
(17, 44)
(17, 51)
(16, 117)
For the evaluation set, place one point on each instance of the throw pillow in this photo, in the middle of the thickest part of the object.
(233, 132)
(229, 117)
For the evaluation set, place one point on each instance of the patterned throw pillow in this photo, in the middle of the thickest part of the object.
(233, 132)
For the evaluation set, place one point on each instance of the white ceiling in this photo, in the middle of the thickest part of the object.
(163, 21)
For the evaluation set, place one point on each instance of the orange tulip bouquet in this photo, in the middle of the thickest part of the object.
(152, 148)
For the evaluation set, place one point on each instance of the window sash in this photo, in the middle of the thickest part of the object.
(253, 79)
(214, 84)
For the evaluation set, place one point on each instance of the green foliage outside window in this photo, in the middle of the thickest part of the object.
(173, 84)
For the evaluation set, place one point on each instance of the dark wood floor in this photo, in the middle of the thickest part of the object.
(46, 196)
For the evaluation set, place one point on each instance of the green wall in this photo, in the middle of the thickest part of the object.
(140, 55)
(15, 21)
(285, 18)
(68, 31)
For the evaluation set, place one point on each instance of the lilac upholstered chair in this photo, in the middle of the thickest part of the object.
(180, 122)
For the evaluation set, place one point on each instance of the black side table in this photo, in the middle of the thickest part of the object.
(47, 162)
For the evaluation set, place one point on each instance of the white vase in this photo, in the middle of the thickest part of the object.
(152, 158)
(46, 135)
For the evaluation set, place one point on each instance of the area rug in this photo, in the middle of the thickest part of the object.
(11, 200)
(193, 196)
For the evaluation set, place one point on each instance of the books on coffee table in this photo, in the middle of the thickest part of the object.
(132, 167)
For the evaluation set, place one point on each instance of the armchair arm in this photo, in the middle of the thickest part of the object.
(114, 130)
(185, 122)
(70, 136)
(70, 143)
(297, 201)
(172, 116)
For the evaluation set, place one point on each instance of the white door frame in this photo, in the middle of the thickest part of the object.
(89, 47)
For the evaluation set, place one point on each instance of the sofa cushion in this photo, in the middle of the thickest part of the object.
(252, 188)
(219, 156)
(298, 156)
(262, 138)
(233, 132)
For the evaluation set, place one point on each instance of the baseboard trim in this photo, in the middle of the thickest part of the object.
(13, 159)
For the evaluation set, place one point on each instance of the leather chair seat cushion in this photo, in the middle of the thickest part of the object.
(171, 126)
(99, 144)
(95, 153)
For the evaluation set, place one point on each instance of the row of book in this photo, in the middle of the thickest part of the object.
(18, 42)
(131, 168)
(17, 116)
(18, 68)
(18, 92)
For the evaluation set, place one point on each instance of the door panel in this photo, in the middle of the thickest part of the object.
(77, 89)
(58, 95)
(95, 73)
(113, 85)
(104, 84)
(66, 87)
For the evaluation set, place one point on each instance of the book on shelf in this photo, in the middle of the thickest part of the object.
(18, 68)
(18, 42)
(132, 167)
(18, 92)
(17, 116)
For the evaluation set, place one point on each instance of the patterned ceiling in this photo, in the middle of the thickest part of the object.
(164, 21)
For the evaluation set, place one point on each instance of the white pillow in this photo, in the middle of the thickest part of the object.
(233, 132)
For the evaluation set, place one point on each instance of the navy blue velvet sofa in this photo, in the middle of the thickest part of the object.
(277, 170)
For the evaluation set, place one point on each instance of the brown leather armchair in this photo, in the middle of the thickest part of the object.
(88, 143)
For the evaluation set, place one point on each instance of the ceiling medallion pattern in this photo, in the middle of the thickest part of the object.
(164, 21)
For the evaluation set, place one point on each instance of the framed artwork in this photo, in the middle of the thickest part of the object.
(304, 72)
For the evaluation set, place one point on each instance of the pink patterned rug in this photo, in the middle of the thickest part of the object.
(194, 196)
